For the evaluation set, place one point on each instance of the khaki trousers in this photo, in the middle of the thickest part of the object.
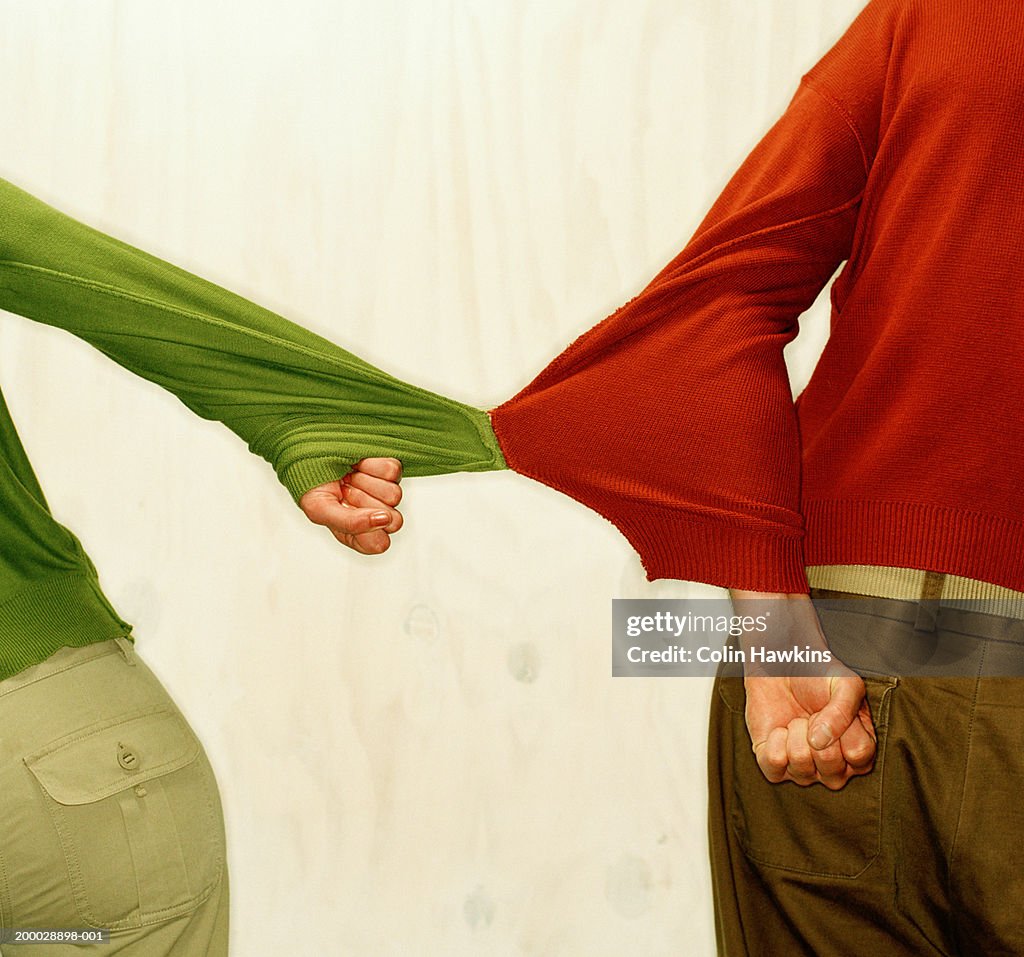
(924, 855)
(110, 815)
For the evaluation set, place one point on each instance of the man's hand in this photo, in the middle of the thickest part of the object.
(806, 729)
(359, 508)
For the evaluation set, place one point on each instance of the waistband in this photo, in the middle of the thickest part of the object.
(914, 584)
(66, 658)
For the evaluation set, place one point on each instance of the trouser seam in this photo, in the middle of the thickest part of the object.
(6, 906)
(951, 913)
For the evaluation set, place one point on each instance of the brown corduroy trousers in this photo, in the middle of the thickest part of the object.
(924, 855)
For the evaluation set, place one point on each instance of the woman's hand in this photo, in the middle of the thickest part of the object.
(359, 508)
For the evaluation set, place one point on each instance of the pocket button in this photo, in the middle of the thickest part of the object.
(128, 757)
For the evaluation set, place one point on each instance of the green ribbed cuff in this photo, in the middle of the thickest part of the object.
(452, 438)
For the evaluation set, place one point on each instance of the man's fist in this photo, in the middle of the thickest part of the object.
(359, 508)
(811, 729)
(808, 729)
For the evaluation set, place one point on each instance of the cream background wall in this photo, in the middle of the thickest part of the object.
(421, 753)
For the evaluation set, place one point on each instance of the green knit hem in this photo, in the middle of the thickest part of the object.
(299, 476)
(66, 610)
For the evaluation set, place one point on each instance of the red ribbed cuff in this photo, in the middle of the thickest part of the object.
(675, 544)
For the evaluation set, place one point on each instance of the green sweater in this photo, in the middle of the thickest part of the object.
(308, 407)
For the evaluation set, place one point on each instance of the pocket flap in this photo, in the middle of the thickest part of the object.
(100, 760)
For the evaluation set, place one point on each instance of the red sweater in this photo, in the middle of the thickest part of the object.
(902, 153)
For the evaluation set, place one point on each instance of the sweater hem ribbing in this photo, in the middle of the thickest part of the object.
(936, 538)
(65, 610)
(900, 534)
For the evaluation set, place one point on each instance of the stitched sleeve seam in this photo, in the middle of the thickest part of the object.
(847, 119)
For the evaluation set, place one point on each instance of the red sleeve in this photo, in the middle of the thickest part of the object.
(673, 417)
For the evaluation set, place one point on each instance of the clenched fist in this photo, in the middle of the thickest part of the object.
(360, 507)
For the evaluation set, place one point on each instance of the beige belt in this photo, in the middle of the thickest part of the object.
(914, 583)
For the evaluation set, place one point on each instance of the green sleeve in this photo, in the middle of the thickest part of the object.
(307, 406)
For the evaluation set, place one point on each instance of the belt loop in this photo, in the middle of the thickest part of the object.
(126, 648)
(928, 603)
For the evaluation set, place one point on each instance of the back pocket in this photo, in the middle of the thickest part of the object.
(135, 805)
(812, 830)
